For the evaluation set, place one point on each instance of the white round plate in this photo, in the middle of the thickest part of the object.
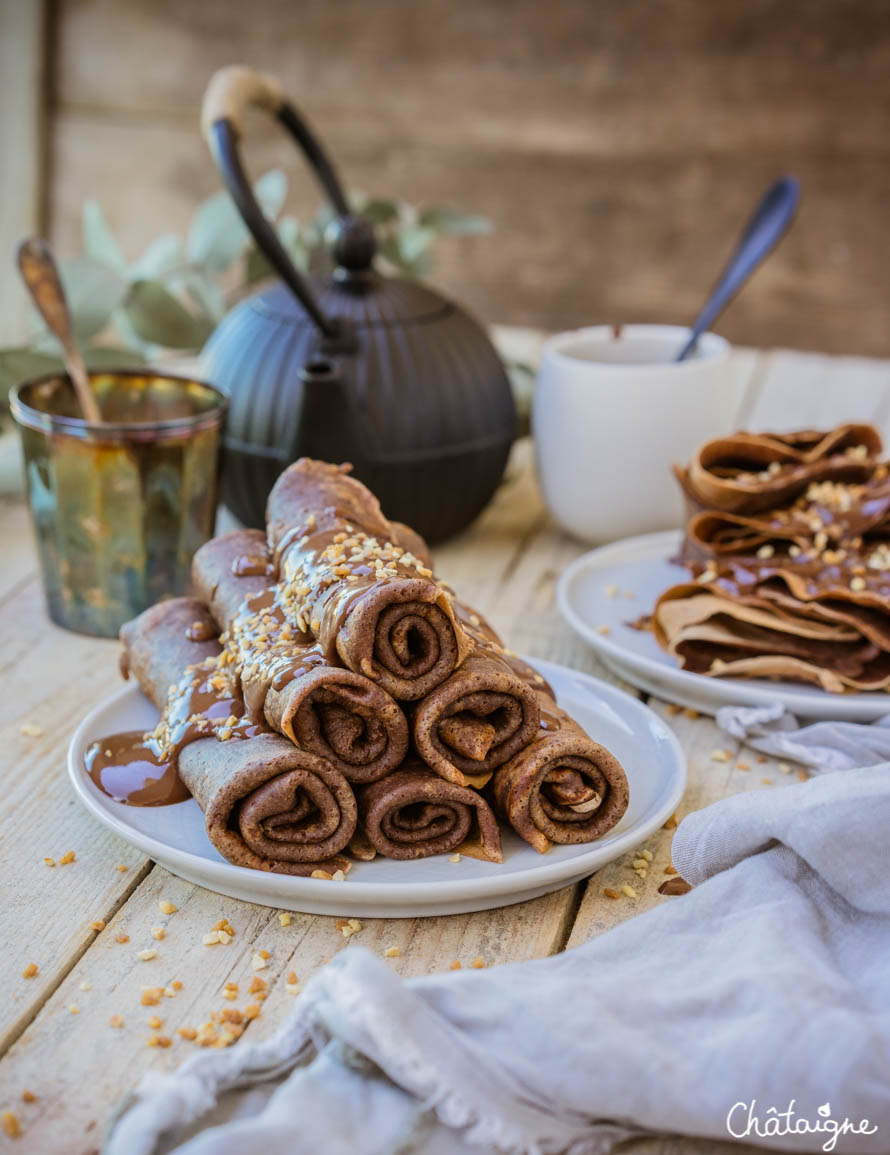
(641, 566)
(174, 836)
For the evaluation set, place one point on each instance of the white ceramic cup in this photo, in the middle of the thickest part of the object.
(612, 414)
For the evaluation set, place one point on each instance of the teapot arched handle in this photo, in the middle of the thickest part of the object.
(230, 92)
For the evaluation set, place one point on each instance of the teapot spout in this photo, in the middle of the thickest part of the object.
(324, 412)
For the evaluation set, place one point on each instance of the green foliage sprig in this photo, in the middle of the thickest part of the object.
(175, 294)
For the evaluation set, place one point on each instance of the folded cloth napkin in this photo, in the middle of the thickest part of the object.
(755, 1006)
(822, 746)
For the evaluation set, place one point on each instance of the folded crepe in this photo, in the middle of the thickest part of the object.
(414, 813)
(778, 623)
(326, 709)
(369, 602)
(750, 472)
(830, 516)
(267, 804)
(563, 787)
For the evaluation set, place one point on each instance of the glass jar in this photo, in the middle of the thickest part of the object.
(118, 508)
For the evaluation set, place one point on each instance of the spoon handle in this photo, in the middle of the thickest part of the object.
(41, 276)
(762, 233)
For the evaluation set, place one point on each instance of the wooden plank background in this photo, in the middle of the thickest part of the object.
(616, 144)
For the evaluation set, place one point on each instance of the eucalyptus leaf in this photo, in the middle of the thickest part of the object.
(442, 219)
(414, 241)
(203, 291)
(162, 256)
(99, 243)
(290, 233)
(93, 291)
(157, 316)
(17, 364)
(270, 190)
(124, 329)
(218, 236)
(391, 251)
(379, 212)
(113, 357)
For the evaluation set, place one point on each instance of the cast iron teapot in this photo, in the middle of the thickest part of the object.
(379, 371)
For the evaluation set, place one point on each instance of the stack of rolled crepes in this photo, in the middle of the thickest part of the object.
(788, 548)
(362, 708)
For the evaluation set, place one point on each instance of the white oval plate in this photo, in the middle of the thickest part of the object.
(640, 565)
(174, 836)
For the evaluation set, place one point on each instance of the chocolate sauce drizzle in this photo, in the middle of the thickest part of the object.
(141, 769)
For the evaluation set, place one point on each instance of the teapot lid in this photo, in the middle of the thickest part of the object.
(371, 301)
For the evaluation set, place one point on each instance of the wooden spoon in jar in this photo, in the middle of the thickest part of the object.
(39, 272)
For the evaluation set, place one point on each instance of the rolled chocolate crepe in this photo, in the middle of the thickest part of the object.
(749, 472)
(329, 710)
(482, 715)
(365, 598)
(414, 813)
(267, 804)
(563, 787)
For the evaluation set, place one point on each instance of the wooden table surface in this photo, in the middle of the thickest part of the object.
(83, 923)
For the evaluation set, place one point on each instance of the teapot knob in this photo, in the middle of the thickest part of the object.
(352, 242)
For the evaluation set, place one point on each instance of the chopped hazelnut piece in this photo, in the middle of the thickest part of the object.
(122, 938)
(391, 952)
(670, 869)
(284, 918)
(157, 932)
(10, 1123)
(187, 1033)
(454, 858)
(176, 985)
(50, 861)
(74, 1009)
(31, 730)
(628, 891)
(609, 892)
(28, 1097)
(258, 984)
(30, 971)
(67, 857)
(166, 907)
(116, 1021)
(478, 963)
(258, 962)
(147, 955)
(455, 966)
(86, 986)
(154, 1022)
(97, 924)
(252, 1011)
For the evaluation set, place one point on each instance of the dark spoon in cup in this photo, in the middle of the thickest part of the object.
(762, 233)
